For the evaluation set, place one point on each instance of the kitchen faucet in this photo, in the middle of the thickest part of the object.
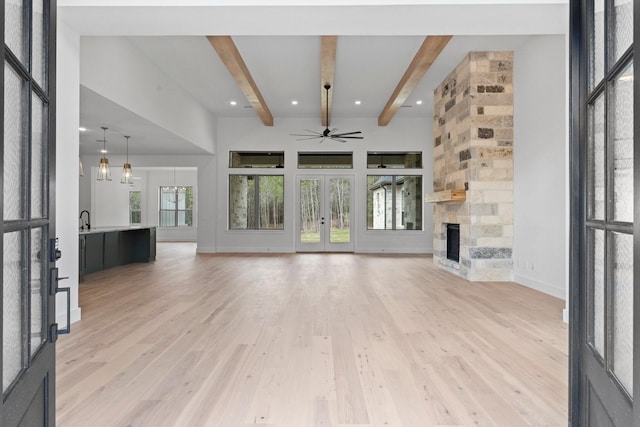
(88, 222)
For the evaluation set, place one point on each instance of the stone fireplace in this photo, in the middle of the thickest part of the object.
(473, 151)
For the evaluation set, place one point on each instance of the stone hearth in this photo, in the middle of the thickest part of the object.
(473, 149)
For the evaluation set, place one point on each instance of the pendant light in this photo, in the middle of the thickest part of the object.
(104, 172)
(127, 173)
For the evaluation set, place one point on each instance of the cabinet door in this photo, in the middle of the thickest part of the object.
(111, 249)
(94, 252)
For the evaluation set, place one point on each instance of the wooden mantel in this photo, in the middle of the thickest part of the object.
(446, 196)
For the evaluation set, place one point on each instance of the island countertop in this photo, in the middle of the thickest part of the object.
(108, 229)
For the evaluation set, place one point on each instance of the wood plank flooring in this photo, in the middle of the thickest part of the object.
(309, 340)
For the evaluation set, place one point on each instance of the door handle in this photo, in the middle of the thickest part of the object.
(53, 290)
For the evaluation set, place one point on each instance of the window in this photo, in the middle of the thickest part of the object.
(323, 160)
(176, 207)
(394, 202)
(135, 204)
(256, 159)
(256, 202)
(394, 160)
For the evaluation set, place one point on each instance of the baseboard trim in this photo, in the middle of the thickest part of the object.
(546, 288)
(425, 251)
(255, 250)
(565, 315)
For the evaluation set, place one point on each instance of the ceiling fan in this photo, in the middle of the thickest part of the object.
(328, 133)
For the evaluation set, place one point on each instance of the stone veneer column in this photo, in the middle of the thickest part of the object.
(473, 146)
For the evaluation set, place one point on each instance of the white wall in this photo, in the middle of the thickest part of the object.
(540, 165)
(67, 167)
(250, 134)
(115, 69)
(108, 201)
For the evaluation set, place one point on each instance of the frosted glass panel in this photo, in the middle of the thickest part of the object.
(37, 158)
(12, 304)
(38, 57)
(622, 123)
(37, 282)
(14, 137)
(14, 28)
(623, 27)
(596, 172)
(596, 258)
(596, 45)
(623, 309)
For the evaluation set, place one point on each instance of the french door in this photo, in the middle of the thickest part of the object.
(324, 214)
(29, 279)
(605, 238)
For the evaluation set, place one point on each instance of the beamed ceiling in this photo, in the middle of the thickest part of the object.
(389, 74)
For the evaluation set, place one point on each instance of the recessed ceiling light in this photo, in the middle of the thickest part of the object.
(233, 103)
(82, 129)
(419, 102)
(358, 102)
(294, 102)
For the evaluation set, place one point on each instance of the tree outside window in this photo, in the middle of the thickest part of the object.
(176, 206)
(256, 202)
(135, 207)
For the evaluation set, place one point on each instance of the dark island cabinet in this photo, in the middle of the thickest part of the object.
(111, 247)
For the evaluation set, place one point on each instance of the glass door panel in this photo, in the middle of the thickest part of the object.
(340, 189)
(324, 220)
(309, 230)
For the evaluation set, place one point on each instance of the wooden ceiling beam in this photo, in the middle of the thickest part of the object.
(327, 72)
(230, 56)
(426, 55)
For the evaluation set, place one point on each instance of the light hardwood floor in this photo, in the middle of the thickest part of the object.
(309, 340)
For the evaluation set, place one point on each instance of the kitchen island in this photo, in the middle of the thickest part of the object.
(106, 247)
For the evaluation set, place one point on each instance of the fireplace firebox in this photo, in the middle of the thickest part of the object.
(453, 242)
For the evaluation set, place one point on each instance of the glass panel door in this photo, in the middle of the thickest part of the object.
(324, 220)
(604, 362)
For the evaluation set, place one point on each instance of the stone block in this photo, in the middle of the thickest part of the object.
(492, 99)
(490, 275)
(484, 209)
(495, 153)
(497, 110)
(494, 242)
(504, 133)
(501, 65)
(490, 253)
(498, 196)
(477, 231)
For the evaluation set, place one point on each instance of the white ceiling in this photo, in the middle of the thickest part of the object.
(285, 68)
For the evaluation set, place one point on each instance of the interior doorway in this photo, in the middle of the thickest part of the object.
(324, 214)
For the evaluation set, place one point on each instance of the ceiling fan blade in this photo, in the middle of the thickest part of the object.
(338, 139)
(348, 133)
(305, 134)
(312, 131)
(349, 137)
(309, 137)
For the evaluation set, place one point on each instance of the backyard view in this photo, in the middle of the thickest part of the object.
(311, 213)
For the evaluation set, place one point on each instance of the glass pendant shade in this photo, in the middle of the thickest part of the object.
(104, 172)
(127, 174)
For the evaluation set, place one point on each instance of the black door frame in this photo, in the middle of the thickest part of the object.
(39, 373)
(578, 34)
